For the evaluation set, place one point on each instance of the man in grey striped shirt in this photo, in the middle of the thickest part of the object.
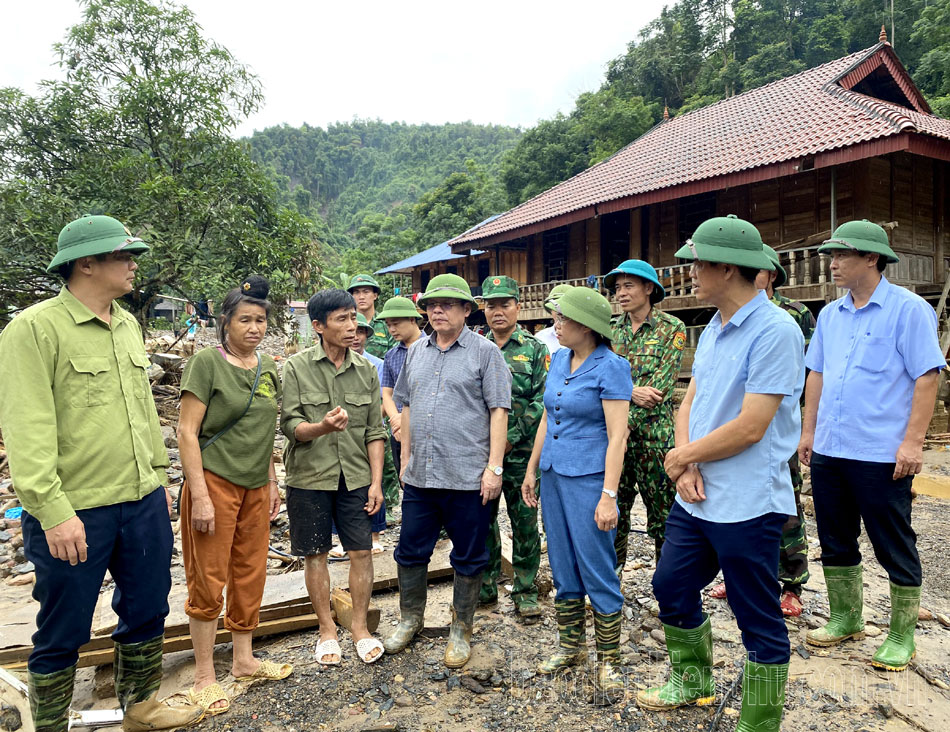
(456, 389)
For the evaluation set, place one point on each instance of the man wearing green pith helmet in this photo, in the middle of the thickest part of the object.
(88, 464)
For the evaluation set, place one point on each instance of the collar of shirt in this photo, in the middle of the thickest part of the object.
(517, 335)
(878, 297)
(318, 354)
(462, 340)
(739, 317)
(80, 313)
(590, 362)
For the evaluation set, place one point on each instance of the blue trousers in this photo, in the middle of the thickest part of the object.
(582, 557)
(133, 540)
(426, 511)
(747, 552)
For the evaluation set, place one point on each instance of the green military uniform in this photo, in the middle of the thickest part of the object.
(655, 351)
(793, 553)
(380, 341)
(527, 358)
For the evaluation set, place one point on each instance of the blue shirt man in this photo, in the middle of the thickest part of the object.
(759, 351)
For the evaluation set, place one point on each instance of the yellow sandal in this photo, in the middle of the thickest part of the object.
(209, 695)
(270, 671)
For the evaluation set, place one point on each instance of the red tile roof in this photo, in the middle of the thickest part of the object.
(787, 120)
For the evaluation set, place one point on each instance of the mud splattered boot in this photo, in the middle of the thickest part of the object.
(464, 598)
(138, 674)
(608, 679)
(898, 648)
(570, 631)
(691, 676)
(763, 697)
(50, 697)
(846, 600)
(412, 607)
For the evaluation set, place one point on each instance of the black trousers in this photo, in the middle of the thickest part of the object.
(426, 511)
(747, 552)
(849, 491)
(133, 540)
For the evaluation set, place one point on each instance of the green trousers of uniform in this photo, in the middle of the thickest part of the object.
(390, 478)
(643, 473)
(793, 553)
(526, 540)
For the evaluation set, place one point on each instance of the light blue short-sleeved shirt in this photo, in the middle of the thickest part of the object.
(576, 439)
(870, 359)
(759, 351)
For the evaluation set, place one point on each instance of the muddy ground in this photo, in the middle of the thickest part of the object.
(833, 689)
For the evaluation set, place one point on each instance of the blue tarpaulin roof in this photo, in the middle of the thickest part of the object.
(439, 253)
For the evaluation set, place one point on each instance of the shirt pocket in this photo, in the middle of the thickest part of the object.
(315, 405)
(645, 362)
(874, 353)
(140, 364)
(357, 407)
(90, 381)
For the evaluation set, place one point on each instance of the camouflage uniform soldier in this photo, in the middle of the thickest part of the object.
(793, 551)
(365, 290)
(653, 342)
(527, 358)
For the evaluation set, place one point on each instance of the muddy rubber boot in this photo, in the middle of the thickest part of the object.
(464, 598)
(608, 679)
(691, 676)
(898, 648)
(570, 631)
(846, 600)
(412, 606)
(763, 697)
(50, 697)
(137, 673)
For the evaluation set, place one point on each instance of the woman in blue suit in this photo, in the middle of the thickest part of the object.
(579, 448)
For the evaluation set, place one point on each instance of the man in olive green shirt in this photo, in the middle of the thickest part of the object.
(332, 418)
(88, 463)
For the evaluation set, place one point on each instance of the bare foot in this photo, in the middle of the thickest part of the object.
(245, 668)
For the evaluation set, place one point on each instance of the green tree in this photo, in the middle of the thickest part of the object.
(140, 130)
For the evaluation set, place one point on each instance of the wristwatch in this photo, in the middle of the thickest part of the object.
(612, 494)
(496, 469)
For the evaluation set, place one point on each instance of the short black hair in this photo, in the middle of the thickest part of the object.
(749, 273)
(325, 302)
(881, 260)
(65, 270)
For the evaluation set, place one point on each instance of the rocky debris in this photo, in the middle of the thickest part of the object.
(10, 719)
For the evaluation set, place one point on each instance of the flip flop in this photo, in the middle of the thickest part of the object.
(328, 648)
(209, 695)
(270, 671)
(337, 553)
(365, 645)
(718, 592)
(378, 548)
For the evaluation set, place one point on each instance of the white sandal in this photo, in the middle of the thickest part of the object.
(328, 648)
(365, 645)
(337, 553)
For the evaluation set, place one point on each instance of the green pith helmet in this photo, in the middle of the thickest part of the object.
(781, 277)
(554, 295)
(91, 235)
(362, 322)
(399, 307)
(448, 286)
(860, 236)
(363, 280)
(727, 240)
(587, 307)
(500, 287)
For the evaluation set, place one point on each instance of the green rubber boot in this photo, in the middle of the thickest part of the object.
(464, 598)
(691, 677)
(50, 697)
(570, 631)
(763, 697)
(846, 599)
(137, 672)
(898, 648)
(609, 679)
(413, 587)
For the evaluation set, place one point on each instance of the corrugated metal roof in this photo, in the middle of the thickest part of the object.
(781, 122)
(439, 253)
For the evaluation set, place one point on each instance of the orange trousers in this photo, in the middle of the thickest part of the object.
(235, 557)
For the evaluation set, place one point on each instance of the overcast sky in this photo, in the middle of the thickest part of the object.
(488, 61)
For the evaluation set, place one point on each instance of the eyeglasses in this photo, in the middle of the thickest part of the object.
(560, 319)
(442, 304)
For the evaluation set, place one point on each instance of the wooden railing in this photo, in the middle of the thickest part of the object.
(533, 296)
